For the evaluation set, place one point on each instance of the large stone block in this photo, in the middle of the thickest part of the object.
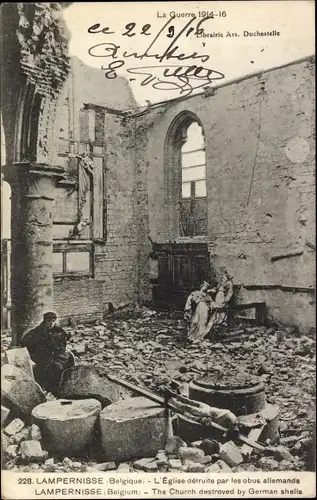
(20, 357)
(67, 426)
(230, 454)
(86, 382)
(31, 451)
(132, 428)
(188, 454)
(19, 391)
(14, 427)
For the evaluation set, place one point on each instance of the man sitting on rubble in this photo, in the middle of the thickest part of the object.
(46, 344)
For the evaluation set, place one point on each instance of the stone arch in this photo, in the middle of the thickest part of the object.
(175, 138)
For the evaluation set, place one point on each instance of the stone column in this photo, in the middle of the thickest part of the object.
(32, 199)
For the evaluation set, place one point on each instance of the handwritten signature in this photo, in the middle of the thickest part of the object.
(183, 78)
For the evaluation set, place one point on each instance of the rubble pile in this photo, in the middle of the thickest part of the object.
(150, 350)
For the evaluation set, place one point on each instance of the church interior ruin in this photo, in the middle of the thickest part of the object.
(114, 216)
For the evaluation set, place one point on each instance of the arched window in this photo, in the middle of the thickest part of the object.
(193, 213)
(185, 178)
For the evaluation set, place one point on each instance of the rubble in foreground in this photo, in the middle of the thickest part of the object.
(150, 350)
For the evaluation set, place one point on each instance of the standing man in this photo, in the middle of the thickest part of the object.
(46, 344)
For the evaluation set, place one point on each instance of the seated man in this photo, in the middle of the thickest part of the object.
(46, 344)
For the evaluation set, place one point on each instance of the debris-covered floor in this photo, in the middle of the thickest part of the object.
(150, 350)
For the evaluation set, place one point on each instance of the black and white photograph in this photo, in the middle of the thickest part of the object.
(158, 335)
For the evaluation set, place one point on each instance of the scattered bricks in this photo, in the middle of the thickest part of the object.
(195, 467)
(151, 466)
(23, 435)
(79, 349)
(173, 445)
(219, 466)
(206, 459)
(280, 453)
(11, 451)
(67, 426)
(35, 432)
(19, 391)
(175, 463)
(287, 465)
(104, 466)
(123, 468)
(85, 381)
(67, 462)
(132, 428)
(14, 427)
(5, 412)
(77, 466)
(230, 454)
(140, 464)
(31, 451)
(161, 458)
(188, 454)
(246, 467)
(49, 465)
(21, 359)
(210, 446)
(268, 464)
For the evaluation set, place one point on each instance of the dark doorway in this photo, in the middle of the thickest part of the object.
(182, 267)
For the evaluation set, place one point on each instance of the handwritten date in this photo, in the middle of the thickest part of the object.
(183, 78)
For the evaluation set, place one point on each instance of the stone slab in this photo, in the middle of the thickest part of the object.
(195, 467)
(20, 358)
(31, 451)
(83, 381)
(67, 426)
(131, 429)
(104, 466)
(151, 466)
(230, 454)
(269, 416)
(19, 391)
(219, 466)
(14, 427)
(175, 463)
(189, 454)
(124, 468)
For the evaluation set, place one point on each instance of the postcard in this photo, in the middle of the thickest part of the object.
(158, 250)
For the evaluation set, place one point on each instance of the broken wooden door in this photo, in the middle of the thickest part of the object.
(182, 267)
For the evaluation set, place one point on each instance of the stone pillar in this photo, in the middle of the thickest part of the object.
(32, 198)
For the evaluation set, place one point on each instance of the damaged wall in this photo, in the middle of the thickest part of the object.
(259, 135)
(112, 276)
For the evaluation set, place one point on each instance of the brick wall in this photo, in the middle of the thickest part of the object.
(115, 259)
(259, 135)
(82, 299)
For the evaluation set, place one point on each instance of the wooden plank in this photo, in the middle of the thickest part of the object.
(253, 435)
(286, 255)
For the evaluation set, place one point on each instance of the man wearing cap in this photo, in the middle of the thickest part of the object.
(46, 344)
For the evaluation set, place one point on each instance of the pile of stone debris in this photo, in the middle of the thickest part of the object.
(150, 350)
